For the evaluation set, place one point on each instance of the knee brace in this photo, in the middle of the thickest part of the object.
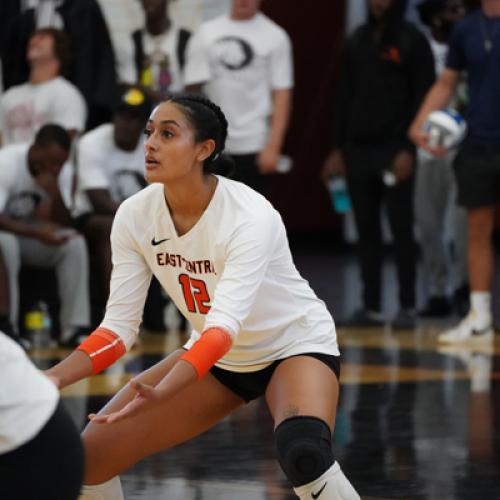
(304, 446)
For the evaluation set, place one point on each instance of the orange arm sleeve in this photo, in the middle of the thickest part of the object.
(103, 347)
(208, 349)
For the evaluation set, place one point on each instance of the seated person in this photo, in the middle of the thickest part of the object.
(110, 169)
(35, 191)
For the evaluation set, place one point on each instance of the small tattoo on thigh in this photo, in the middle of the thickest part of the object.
(291, 411)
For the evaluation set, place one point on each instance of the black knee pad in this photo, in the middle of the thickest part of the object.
(304, 447)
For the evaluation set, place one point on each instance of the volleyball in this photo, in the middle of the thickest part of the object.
(446, 128)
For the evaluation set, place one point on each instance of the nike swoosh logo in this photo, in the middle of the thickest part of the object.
(154, 242)
(316, 495)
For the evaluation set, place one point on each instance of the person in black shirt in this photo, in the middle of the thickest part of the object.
(386, 71)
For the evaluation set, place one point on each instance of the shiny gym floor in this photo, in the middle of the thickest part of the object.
(415, 420)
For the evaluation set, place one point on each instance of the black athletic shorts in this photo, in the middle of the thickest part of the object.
(251, 385)
(477, 169)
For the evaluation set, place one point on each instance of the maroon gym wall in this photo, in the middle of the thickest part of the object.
(316, 30)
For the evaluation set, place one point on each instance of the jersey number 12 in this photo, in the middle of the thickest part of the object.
(195, 294)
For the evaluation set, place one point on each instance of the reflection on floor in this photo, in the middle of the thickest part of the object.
(415, 421)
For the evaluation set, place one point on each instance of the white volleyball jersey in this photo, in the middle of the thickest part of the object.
(232, 270)
(27, 397)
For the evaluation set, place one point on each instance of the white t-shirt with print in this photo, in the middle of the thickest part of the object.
(25, 108)
(232, 270)
(102, 165)
(27, 397)
(164, 69)
(19, 194)
(240, 63)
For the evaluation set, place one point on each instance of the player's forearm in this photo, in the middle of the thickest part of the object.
(195, 363)
(72, 369)
(280, 118)
(179, 377)
(437, 98)
(17, 227)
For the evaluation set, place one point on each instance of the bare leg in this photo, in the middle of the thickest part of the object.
(302, 397)
(113, 448)
(302, 385)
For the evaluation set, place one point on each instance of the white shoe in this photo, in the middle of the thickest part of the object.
(469, 332)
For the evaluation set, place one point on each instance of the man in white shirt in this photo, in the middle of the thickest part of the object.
(47, 97)
(243, 62)
(35, 191)
(110, 169)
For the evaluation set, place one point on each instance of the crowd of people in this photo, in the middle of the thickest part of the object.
(242, 61)
(105, 165)
(74, 169)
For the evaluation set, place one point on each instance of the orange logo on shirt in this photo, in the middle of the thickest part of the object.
(392, 54)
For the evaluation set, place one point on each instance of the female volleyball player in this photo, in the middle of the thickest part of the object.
(220, 251)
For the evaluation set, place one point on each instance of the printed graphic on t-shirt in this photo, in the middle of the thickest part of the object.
(22, 120)
(156, 72)
(233, 53)
(23, 205)
(127, 183)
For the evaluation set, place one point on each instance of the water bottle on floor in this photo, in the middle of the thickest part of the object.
(38, 325)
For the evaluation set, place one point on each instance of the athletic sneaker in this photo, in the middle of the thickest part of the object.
(468, 331)
(363, 318)
(405, 319)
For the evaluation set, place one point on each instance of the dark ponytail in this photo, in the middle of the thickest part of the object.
(209, 122)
